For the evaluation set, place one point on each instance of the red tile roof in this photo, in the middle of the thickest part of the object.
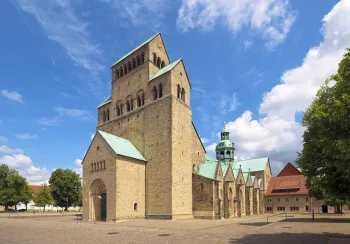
(287, 185)
(36, 189)
(288, 170)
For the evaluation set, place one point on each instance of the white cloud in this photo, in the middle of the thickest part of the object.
(271, 18)
(3, 139)
(92, 135)
(54, 121)
(12, 95)
(82, 114)
(140, 12)
(229, 103)
(211, 148)
(26, 136)
(247, 44)
(278, 135)
(63, 26)
(204, 140)
(78, 162)
(16, 161)
(6, 149)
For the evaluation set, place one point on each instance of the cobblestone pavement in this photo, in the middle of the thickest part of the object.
(67, 229)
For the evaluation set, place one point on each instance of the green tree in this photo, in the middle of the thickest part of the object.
(44, 197)
(325, 158)
(12, 187)
(65, 187)
(27, 195)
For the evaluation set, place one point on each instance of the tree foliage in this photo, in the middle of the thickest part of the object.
(13, 187)
(44, 197)
(65, 186)
(325, 158)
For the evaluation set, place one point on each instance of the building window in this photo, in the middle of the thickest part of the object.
(118, 111)
(160, 88)
(135, 206)
(117, 73)
(306, 208)
(142, 58)
(162, 65)
(286, 199)
(158, 62)
(125, 69)
(127, 106)
(107, 114)
(138, 60)
(297, 199)
(133, 63)
(202, 187)
(269, 200)
(183, 94)
(268, 209)
(129, 66)
(104, 164)
(104, 116)
(178, 91)
(155, 58)
(154, 93)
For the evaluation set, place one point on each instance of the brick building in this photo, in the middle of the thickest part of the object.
(147, 160)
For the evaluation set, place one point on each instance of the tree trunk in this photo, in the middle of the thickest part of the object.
(16, 206)
(26, 205)
(44, 209)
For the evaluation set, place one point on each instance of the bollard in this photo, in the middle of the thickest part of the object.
(313, 215)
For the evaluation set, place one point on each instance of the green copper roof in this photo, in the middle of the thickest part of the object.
(107, 100)
(256, 164)
(224, 144)
(166, 69)
(224, 168)
(209, 159)
(122, 146)
(141, 45)
(208, 170)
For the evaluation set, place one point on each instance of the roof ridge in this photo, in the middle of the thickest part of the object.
(137, 48)
(107, 100)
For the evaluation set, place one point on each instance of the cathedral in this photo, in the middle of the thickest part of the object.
(146, 159)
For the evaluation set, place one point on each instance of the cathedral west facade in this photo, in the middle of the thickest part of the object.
(147, 160)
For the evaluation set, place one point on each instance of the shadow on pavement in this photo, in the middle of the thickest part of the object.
(318, 220)
(289, 238)
(255, 223)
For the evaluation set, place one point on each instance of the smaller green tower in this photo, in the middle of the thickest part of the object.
(225, 149)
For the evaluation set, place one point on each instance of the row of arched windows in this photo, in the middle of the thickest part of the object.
(158, 62)
(157, 93)
(181, 93)
(140, 99)
(106, 115)
(130, 65)
(98, 165)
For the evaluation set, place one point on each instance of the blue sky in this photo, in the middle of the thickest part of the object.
(255, 65)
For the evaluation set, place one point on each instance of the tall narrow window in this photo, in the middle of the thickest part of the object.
(118, 110)
(121, 71)
(133, 63)
(183, 94)
(125, 69)
(178, 91)
(138, 101)
(131, 104)
(154, 93)
(160, 90)
(117, 73)
(135, 206)
(127, 106)
(142, 58)
(129, 66)
(104, 116)
(104, 164)
(121, 109)
(143, 99)
(107, 114)
(162, 65)
(155, 58)
(138, 60)
(158, 62)
(202, 186)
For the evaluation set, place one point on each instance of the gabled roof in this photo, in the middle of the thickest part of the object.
(208, 170)
(107, 100)
(288, 170)
(122, 146)
(256, 164)
(165, 69)
(137, 48)
(287, 185)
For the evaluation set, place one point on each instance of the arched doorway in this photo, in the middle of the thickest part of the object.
(98, 200)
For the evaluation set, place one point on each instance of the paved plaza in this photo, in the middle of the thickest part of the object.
(69, 229)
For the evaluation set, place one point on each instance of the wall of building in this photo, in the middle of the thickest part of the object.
(99, 151)
(202, 197)
(130, 175)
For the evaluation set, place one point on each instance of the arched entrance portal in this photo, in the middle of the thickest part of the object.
(98, 200)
